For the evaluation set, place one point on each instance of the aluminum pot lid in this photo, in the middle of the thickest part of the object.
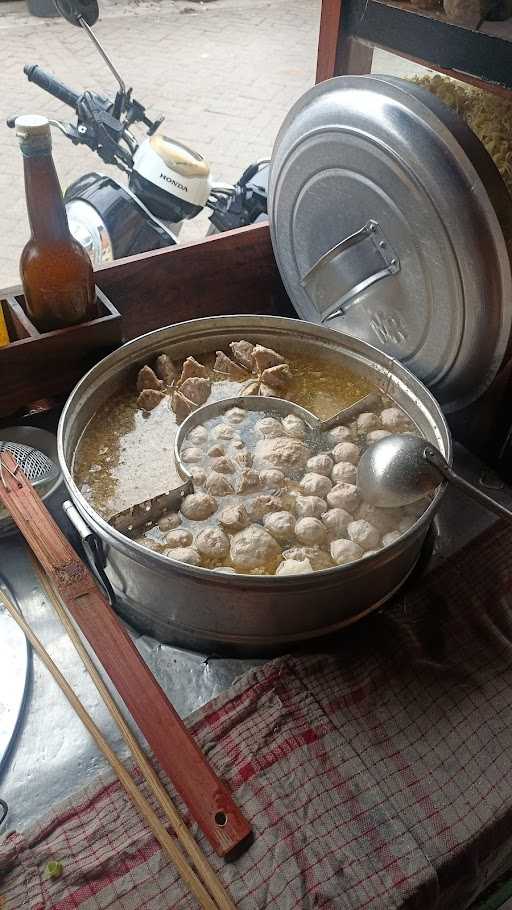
(383, 227)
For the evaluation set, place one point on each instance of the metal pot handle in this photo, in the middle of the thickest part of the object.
(348, 269)
(93, 549)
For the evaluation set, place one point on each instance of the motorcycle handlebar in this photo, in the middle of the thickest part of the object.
(46, 81)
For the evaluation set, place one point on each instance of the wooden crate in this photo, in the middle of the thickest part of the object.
(233, 272)
(39, 365)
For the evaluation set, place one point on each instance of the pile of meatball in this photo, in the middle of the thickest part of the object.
(270, 500)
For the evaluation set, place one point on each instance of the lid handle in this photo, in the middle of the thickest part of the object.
(348, 269)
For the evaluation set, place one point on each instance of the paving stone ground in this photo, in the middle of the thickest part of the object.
(223, 72)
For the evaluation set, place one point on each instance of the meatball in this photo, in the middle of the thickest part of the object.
(223, 431)
(344, 496)
(320, 464)
(216, 451)
(280, 524)
(191, 455)
(344, 472)
(287, 500)
(272, 479)
(198, 506)
(346, 451)
(149, 399)
(379, 518)
(310, 506)
(395, 420)
(364, 534)
(258, 506)
(315, 485)
(212, 543)
(294, 567)
(376, 436)
(390, 538)
(198, 476)
(234, 518)
(318, 558)
(310, 531)
(366, 422)
(169, 522)
(244, 459)
(149, 543)
(249, 481)
(289, 455)
(185, 554)
(253, 548)
(235, 415)
(223, 465)
(198, 436)
(340, 434)
(179, 537)
(269, 427)
(218, 485)
(344, 551)
(336, 521)
(294, 426)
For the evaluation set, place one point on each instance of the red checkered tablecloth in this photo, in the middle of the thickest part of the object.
(378, 776)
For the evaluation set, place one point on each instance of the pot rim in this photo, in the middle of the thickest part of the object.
(152, 559)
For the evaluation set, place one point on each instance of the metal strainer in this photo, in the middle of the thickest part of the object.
(35, 451)
(36, 466)
(140, 514)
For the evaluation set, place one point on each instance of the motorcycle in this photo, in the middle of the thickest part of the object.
(168, 183)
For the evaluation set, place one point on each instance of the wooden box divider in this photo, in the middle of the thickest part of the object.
(38, 365)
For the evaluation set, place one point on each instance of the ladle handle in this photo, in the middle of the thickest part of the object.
(436, 459)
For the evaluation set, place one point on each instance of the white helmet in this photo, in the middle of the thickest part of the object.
(170, 179)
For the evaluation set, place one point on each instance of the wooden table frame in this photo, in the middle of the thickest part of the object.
(350, 29)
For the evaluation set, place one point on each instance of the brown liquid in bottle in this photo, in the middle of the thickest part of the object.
(56, 272)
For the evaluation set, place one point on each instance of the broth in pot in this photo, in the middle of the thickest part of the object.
(264, 501)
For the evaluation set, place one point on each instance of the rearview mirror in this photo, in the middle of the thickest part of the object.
(75, 10)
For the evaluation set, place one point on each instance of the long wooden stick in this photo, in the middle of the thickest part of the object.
(162, 835)
(206, 795)
(183, 834)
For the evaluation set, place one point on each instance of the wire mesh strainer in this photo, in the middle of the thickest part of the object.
(36, 466)
(37, 461)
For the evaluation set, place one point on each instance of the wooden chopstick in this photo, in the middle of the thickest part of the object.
(188, 875)
(183, 834)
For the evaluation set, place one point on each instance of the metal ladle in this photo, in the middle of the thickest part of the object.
(400, 470)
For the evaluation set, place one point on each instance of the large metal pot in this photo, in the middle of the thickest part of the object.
(195, 607)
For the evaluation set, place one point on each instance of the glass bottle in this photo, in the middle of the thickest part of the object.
(56, 272)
